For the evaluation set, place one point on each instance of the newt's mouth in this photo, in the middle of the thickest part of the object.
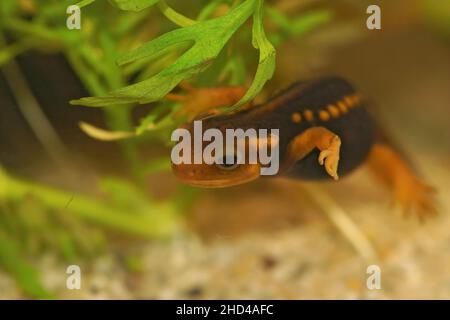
(214, 184)
(220, 179)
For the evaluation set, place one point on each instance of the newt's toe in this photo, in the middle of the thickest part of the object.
(416, 197)
(330, 158)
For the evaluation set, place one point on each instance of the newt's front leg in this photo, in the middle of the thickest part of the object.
(316, 137)
(408, 189)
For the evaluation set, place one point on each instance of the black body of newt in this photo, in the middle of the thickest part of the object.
(330, 103)
(324, 130)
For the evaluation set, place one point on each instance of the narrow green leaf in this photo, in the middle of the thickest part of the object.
(104, 135)
(297, 26)
(157, 165)
(133, 5)
(25, 275)
(174, 16)
(310, 20)
(84, 3)
(267, 58)
(157, 221)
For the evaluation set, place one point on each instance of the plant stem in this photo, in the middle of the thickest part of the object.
(174, 16)
(342, 222)
(160, 220)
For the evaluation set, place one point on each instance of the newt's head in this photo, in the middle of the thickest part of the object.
(201, 158)
(216, 175)
(216, 168)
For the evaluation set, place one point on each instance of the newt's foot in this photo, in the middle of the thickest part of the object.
(409, 192)
(330, 157)
(415, 196)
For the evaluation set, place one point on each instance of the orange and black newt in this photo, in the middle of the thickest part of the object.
(325, 131)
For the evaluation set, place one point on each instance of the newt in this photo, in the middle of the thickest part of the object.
(325, 132)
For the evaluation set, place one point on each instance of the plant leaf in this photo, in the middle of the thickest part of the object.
(133, 5)
(208, 37)
(267, 57)
(26, 276)
(104, 135)
(84, 3)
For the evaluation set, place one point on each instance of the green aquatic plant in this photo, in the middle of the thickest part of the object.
(208, 37)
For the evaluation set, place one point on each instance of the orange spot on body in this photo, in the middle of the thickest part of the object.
(296, 117)
(354, 99)
(350, 101)
(324, 115)
(342, 106)
(309, 115)
(334, 111)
